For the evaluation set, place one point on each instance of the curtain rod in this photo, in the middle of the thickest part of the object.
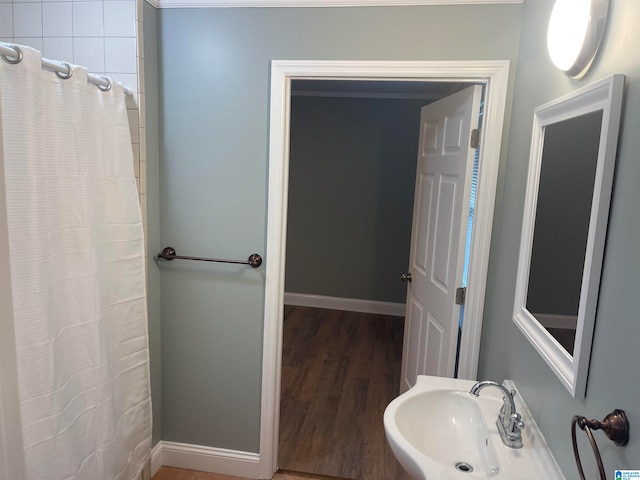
(12, 54)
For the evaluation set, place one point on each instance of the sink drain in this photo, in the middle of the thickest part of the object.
(464, 467)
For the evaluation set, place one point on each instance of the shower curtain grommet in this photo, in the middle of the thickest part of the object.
(65, 76)
(107, 87)
(13, 60)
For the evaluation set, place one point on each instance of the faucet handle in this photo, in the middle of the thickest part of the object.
(505, 410)
(515, 424)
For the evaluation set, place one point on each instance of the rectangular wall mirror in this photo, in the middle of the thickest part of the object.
(573, 152)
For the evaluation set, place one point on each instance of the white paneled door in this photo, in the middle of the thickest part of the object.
(440, 215)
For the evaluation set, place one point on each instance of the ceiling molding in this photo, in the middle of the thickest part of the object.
(315, 3)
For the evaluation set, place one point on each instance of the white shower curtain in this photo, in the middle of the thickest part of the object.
(76, 255)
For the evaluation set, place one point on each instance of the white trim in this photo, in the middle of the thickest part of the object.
(207, 459)
(347, 304)
(490, 143)
(317, 3)
(156, 458)
(494, 74)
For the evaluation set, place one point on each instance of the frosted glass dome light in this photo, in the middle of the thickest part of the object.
(576, 28)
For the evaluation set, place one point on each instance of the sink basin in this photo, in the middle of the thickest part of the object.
(438, 431)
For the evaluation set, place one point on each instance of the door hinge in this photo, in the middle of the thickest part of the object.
(475, 138)
(461, 293)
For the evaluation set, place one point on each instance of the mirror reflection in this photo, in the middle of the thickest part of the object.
(567, 177)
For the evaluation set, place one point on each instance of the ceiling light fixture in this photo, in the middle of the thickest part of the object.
(576, 29)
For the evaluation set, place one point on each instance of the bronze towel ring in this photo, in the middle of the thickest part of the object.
(615, 426)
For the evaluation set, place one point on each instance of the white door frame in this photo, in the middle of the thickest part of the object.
(494, 75)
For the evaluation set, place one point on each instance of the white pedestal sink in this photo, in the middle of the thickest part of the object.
(439, 431)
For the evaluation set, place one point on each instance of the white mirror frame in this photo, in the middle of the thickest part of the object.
(604, 95)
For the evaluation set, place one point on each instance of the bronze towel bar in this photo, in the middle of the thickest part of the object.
(169, 253)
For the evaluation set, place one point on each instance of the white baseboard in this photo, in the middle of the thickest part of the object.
(156, 458)
(348, 304)
(205, 459)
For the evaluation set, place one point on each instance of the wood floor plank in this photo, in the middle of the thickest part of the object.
(340, 371)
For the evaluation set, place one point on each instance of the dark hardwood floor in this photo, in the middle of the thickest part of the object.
(339, 372)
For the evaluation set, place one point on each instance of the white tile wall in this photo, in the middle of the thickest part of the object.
(120, 55)
(89, 52)
(60, 48)
(6, 20)
(88, 19)
(57, 19)
(127, 79)
(33, 42)
(120, 18)
(98, 34)
(27, 20)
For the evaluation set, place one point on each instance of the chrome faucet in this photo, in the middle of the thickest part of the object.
(509, 421)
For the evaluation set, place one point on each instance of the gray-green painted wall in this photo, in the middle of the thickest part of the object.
(214, 100)
(351, 175)
(613, 378)
(153, 213)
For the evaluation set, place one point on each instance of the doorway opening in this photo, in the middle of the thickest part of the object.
(493, 75)
(353, 157)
